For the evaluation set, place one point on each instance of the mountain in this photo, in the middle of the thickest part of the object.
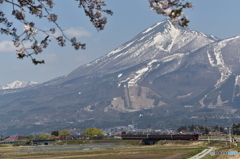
(161, 40)
(18, 84)
(166, 75)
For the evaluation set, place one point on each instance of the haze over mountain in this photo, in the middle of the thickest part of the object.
(164, 72)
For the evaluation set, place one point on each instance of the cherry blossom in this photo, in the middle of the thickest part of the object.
(21, 9)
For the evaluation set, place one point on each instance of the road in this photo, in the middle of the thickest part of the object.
(203, 153)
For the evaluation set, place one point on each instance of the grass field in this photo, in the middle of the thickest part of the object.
(132, 152)
(178, 149)
(219, 137)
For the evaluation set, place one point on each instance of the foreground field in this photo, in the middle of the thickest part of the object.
(122, 150)
(131, 152)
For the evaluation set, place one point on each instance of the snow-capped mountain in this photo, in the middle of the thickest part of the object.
(161, 40)
(164, 71)
(18, 84)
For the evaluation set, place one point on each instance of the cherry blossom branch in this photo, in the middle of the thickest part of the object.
(172, 9)
(13, 3)
(37, 8)
(92, 8)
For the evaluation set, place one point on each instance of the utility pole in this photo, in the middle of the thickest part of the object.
(230, 136)
(149, 128)
(205, 124)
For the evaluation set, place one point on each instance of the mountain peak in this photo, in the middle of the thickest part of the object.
(18, 84)
(156, 42)
(166, 24)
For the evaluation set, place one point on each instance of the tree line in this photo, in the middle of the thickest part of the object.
(88, 133)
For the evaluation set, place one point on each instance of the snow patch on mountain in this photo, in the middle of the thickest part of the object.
(151, 28)
(172, 57)
(142, 38)
(138, 75)
(211, 59)
(214, 38)
(18, 84)
(237, 80)
(123, 81)
(132, 81)
(166, 39)
(120, 48)
(225, 71)
(141, 73)
(153, 61)
(120, 75)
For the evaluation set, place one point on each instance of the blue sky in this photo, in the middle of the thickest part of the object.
(215, 17)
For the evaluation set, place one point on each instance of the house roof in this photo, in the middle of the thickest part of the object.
(11, 138)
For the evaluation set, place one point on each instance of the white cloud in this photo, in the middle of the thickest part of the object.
(77, 32)
(7, 46)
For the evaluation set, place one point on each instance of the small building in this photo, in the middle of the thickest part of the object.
(200, 134)
(77, 137)
(66, 137)
(2, 138)
(16, 138)
(43, 142)
(118, 136)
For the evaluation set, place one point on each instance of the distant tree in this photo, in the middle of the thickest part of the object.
(55, 133)
(64, 132)
(21, 9)
(206, 131)
(182, 128)
(236, 129)
(92, 133)
(30, 137)
(217, 128)
(43, 137)
(192, 128)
